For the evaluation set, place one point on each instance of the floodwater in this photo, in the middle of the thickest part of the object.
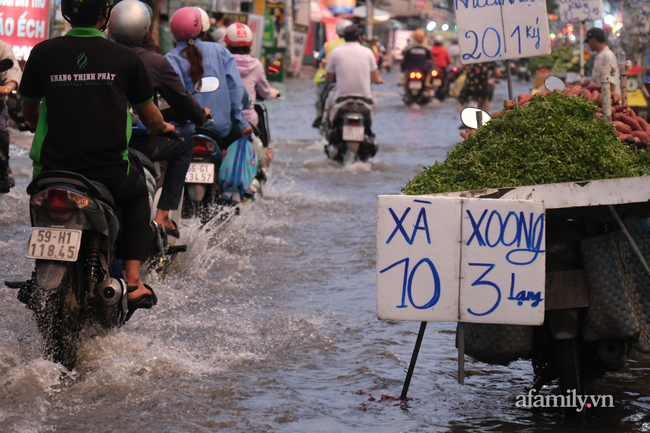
(268, 323)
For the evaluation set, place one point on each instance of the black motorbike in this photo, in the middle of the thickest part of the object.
(76, 242)
(348, 130)
(422, 86)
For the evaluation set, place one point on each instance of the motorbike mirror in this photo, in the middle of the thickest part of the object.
(6, 64)
(554, 83)
(469, 117)
(275, 67)
(206, 85)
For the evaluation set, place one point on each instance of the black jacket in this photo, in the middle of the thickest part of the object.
(166, 82)
(417, 57)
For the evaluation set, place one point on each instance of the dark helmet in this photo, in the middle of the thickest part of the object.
(84, 9)
(353, 32)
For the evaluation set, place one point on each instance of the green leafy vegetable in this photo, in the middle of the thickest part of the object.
(553, 139)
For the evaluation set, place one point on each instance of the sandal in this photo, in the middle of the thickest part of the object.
(144, 301)
(175, 232)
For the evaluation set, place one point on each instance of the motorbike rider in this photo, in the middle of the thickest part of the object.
(86, 83)
(129, 25)
(8, 83)
(354, 67)
(322, 87)
(191, 59)
(239, 38)
(417, 57)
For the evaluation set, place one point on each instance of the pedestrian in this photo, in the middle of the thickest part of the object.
(476, 86)
(8, 83)
(597, 41)
(165, 35)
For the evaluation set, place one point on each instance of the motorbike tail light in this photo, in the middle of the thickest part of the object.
(354, 123)
(204, 146)
(412, 75)
(418, 75)
(434, 73)
(60, 203)
(455, 68)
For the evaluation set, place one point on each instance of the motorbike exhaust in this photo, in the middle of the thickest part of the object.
(114, 303)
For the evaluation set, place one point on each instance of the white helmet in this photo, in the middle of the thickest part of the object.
(130, 20)
(205, 20)
(239, 35)
(438, 40)
(341, 25)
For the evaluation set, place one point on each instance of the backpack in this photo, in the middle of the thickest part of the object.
(238, 168)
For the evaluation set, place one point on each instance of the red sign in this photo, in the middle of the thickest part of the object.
(23, 24)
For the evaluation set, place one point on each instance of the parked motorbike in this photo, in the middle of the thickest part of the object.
(76, 242)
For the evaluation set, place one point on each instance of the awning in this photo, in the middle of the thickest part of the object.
(379, 14)
(319, 13)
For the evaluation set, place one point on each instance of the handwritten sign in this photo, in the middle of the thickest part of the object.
(584, 10)
(299, 35)
(458, 259)
(23, 24)
(490, 30)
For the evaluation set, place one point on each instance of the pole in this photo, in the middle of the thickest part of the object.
(509, 78)
(479, 119)
(461, 353)
(582, 50)
(622, 68)
(605, 73)
(414, 358)
(370, 12)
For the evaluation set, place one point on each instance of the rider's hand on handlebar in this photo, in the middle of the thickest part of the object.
(276, 92)
(247, 131)
(5, 90)
(154, 133)
(207, 111)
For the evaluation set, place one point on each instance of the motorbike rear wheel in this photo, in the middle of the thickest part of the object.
(568, 360)
(61, 318)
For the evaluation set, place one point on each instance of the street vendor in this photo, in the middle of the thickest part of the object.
(597, 42)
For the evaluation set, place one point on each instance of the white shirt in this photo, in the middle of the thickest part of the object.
(606, 58)
(352, 64)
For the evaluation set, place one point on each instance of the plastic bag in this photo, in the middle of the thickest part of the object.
(238, 168)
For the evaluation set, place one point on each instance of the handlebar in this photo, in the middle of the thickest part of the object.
(172, 135)
(23, 127)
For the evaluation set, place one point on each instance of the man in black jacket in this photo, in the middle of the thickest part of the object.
(129, 25)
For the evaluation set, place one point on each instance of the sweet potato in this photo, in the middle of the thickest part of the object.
(622, 127)
(523, 98)
(543, 93)
(594, 95)
(621, 108)
(495, 114)
(616, 99)
(586, 93)
(644, 125)
(599, 115)
(523, 104)
(465, 135)
(593, 87)
(617, 116)
(623, 137)
(566, 90)
(599, 100)
(575, 90)
(508, 105)
(628, 120)
(641, 135)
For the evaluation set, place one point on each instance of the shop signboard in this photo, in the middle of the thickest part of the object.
(23, 24)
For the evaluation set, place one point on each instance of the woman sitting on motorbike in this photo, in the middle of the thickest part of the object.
(193, 59)
(239, 38)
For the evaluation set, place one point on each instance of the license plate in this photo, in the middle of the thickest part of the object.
(353, 133)
(437, 82)
(54, 244)
(200, 173)
(415, 85)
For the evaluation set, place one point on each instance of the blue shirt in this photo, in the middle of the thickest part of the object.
(226, 103)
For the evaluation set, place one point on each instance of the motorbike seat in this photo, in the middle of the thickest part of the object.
(146, 162)
(209, 133)
(256, 130)
(360, 98)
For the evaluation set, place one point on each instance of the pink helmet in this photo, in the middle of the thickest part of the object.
(239, 35)
(185, 24)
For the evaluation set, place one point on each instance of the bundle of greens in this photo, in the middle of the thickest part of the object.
(551, 139)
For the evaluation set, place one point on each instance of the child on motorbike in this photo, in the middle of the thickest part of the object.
(239, 38)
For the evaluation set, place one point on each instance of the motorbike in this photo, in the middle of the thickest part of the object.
(417, 91)
(522, 71)
(76, 241)
(348, 130)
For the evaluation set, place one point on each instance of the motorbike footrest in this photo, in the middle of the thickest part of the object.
(17, 284)
(177, 249)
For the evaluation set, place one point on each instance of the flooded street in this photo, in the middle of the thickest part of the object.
(269, 324)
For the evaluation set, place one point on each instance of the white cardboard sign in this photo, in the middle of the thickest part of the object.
(457, 259)
(490, 30)
(572, 11)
